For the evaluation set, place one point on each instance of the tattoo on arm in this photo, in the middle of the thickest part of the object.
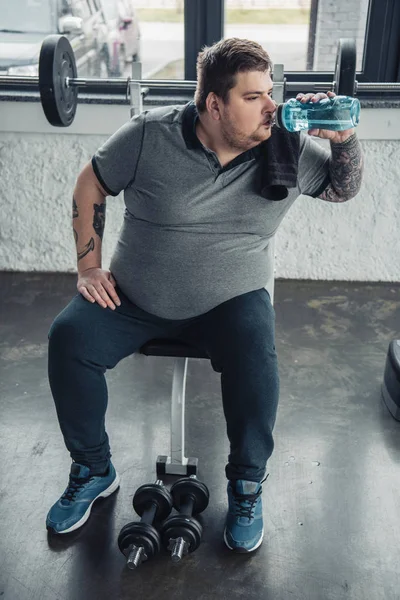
(88, 248)
(99, 219)
(75, 214)
(98, 225)
(345, 170)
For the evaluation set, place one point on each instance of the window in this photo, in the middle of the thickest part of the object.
(166, 36)
(301, 34)
(26, 17)
(161, 24)
(112, 35)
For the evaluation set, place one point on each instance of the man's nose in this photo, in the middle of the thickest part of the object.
(270, 105)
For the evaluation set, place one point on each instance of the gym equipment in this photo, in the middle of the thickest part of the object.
(141, 541)
(182, 533)
(58, 82)
(176, 463)
(391, 380)
(57, 64)
(345, 68)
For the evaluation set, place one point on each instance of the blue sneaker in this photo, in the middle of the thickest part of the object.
(244, 530)
(72, 510)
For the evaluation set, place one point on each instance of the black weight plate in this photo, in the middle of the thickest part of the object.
(139, 534)
(56, 63)
(146, 494)
(186, 527)
(345, 69)
(190, 487)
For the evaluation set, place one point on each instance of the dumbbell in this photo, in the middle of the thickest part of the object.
(140, 541)
(182, 533)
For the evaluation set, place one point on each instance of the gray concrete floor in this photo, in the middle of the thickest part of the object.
(331, 503)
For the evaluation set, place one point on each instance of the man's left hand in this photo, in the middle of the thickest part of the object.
(333, 136)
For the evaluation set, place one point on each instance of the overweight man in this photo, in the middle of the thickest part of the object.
(206, 186)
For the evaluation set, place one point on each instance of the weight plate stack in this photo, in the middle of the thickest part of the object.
(148, 493)
(187, 486)
(56, 63)
(345, 69)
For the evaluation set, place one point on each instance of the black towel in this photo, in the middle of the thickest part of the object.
(280, 161)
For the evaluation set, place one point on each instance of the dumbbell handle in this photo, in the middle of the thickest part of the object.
(188, 505)
(150, 511)
(136, 556)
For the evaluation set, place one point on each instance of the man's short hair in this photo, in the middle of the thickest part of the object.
(218, 65)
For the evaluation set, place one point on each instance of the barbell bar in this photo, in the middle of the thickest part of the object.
(121, 84)
(58, 82)
(114, 83)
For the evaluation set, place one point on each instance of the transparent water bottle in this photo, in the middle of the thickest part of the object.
(337, 114)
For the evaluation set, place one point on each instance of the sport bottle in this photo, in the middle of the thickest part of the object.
(337, 113)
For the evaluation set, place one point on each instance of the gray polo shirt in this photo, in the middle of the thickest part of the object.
(194, 234)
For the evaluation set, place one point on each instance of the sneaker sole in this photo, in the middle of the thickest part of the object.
(242, 550)
(110, 490)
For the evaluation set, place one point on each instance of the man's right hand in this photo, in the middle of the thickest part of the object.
(97, 285)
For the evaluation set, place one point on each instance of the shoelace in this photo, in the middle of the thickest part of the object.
(250, 499)
(74, 486)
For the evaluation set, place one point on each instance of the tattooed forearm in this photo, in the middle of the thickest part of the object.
(99, 219)
(345, 170)
(88, 248)
(75, 213)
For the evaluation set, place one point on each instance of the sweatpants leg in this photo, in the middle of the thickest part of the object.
(239, 337)
(84, 341)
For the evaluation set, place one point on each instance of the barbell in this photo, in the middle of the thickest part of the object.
(58, 82)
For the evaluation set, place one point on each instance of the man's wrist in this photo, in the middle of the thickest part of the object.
(81, 270)
(344, 140)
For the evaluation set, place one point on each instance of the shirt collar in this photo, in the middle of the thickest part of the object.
(189, 120)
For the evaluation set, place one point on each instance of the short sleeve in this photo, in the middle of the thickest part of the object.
(115, 162)
(313, 172)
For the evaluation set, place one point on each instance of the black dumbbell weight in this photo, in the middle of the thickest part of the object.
(141, 541)
(182, 533)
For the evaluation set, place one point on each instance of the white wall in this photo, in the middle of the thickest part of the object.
(358, 240)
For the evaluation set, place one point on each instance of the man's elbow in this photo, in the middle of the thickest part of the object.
(331, 194)
(344, 192)
(350, 192)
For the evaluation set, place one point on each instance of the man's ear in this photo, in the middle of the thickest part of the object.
(213, 104)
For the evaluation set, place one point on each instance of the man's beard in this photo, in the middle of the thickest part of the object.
(237, 140)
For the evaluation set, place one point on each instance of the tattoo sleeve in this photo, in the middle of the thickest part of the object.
(345, 169)
(98, 226)
(88, 248)
(75, 214)
(99, 219)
